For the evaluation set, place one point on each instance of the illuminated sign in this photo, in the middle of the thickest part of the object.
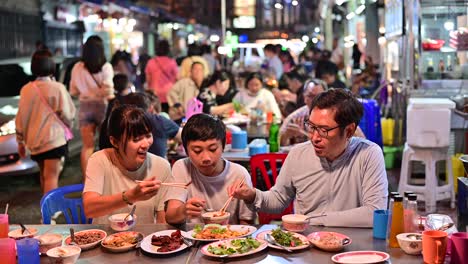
(244, 22)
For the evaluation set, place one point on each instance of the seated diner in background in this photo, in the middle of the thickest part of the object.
(184, 90)
(292, 130)
(112, 173)
(336, 178)
(204, 138)
(217, 85)
(255, 96)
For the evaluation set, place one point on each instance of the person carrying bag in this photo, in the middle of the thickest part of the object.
(45, 113)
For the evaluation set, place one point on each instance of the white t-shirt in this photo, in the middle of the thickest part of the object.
(212, 189)
(105, 177)
(265, 97)
(88, 88)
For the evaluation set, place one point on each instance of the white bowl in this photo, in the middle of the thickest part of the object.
(49, 241)
(295, 222)
(64, 254)
(117, 222)
(410, 245)
(209, 218)
(16, 234)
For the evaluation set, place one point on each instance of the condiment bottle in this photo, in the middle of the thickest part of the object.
(405, 199)
(410, 215)
(397, 226)
(273, 137)
(390, 209)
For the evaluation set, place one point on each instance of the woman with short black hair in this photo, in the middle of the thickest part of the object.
(45, 108)
(126, 174)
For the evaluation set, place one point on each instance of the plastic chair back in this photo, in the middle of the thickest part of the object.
(370, 122)
(258, 163)
(72, 208)
(194, 106)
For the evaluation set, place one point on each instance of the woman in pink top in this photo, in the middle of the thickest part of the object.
(161, 73)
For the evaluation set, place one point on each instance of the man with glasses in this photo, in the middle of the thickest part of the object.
(292, 130)
(335, 178)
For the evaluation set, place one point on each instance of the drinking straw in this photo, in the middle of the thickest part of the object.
(6, 208)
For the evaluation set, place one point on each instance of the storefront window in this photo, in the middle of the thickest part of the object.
(444, 41)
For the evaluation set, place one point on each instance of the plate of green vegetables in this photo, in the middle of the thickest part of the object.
(236, 247)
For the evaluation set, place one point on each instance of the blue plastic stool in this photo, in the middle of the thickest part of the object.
(72, 208)
(370, 122)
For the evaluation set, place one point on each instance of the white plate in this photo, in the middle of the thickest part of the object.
(362, 257)
(239, 228)
(90, 245)
(305, 241)
(148, 247)
(227, 242)
(122, 248)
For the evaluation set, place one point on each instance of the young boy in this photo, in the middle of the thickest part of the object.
(204, 138)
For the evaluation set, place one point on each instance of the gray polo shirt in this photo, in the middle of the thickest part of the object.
(344, 192)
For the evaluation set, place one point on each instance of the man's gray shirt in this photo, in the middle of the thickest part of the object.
(344, 192)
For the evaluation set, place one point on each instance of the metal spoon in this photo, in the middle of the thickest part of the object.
(270, 239)
(345, 241)
(72, 237)
(130, 214)
(24, 229)
(445, 227)
(414, 236)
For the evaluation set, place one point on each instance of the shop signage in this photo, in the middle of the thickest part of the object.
(394, 18)
(244, 22)
(244, 7)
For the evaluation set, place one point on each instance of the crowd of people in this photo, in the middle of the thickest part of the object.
(134, 118)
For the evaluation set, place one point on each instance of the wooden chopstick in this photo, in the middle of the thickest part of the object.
(226, 204)
(172, 184)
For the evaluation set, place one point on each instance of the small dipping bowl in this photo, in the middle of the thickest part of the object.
(410, 243)
(295, 222)
(49, 241)
(16, 234)
(117, 222)
(64, 254)
(210, 218)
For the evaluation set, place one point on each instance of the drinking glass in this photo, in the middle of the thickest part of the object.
(28, 251)
(3, 226)
(7, 251)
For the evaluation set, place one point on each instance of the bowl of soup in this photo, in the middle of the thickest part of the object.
(295, 222)
(49, 241)
(64, 254)
(118, 223)
(221, 218)
(19, 234)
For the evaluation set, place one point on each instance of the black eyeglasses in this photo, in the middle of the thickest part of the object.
(323, 132)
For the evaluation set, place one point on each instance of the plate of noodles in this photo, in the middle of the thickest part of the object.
(214, 232)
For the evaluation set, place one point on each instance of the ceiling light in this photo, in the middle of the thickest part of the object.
(294, 3)
(305, 38)
(316, 29)
(350, 15)
(449, 25)
(278, 6)
(360, 9)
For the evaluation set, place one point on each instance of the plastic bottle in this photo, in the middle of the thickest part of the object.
(405, 199)
(273, 138)
(390, 209)
(410, 215)
(397, 226)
